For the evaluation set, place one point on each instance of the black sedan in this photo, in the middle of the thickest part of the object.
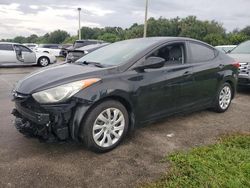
(114, 89)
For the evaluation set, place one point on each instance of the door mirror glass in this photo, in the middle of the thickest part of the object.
(152, 63)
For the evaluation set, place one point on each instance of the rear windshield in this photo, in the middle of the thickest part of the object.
(243, 48)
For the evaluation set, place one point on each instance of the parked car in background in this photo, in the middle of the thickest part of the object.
(14, 54)
(242, 54)
(114, 89)
(32, 46)
(82, 43)
(64, 50)
(225, 48)
(75, 54)
(53, 49)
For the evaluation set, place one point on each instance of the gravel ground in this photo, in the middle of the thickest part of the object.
(29, 163)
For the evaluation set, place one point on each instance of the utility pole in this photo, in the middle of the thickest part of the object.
(146, 20)
(79, 19)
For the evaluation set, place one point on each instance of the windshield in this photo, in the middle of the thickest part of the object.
(117, 53)
(243, 48)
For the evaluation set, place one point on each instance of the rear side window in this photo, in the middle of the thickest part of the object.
(201, 53)
(6, 47)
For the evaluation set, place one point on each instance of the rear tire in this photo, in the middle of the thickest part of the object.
(43, 61)
(105, 126)
(223, 98)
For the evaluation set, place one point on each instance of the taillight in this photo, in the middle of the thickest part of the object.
(236, 64)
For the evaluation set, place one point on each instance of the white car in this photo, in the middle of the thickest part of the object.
(32, 46)
(14, 54)
(53, 49)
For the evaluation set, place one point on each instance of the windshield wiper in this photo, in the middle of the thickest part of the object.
(92, 63)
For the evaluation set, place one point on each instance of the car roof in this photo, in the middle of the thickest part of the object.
(162, 40)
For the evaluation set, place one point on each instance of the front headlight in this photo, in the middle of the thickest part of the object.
(63, 92)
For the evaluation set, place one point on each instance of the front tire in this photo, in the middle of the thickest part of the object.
(43, 61)
(105, 126)
(224, 98)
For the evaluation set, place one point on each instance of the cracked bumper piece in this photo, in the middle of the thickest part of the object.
(45, 126)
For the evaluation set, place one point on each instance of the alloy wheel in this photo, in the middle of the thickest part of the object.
(225, 97)
(108, 127)
(44, 62)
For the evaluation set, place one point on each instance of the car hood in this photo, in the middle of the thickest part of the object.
(243, 58)
(57, 75)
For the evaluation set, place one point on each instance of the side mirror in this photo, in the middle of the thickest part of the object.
(152, 63)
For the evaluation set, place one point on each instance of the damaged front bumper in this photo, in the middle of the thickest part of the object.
(47, 122)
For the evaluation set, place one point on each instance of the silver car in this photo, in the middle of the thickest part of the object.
(242, 54)
(14, 54)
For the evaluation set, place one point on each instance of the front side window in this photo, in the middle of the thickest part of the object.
(201, 53)
(24, 49)
(172, 53)
(243, 48)
(6, 47)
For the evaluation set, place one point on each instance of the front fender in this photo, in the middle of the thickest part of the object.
(92, 95)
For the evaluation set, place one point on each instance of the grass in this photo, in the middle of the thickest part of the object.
(224, 164)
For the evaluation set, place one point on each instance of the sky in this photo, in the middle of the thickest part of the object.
(26, 17)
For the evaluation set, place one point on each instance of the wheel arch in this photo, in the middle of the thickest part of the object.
(82, 112)
(232, 84)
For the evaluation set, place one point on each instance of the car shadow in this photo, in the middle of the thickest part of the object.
(243, 90)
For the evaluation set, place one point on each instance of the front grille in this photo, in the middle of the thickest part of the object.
(27, 101)
(244, 69)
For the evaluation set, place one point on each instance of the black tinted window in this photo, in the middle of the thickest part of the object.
(172, 53)
(49, 46)
(24, 49)
(201, 53)
(6, 47)
(54, 47)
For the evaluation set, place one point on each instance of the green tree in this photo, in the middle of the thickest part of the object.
(215, 39)
(19, 39)
(109, 37)
(246, 31)
(236, 38)
(57, 36)
(90, 33)
(70, 40)
(136, 31)
(32, 38)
